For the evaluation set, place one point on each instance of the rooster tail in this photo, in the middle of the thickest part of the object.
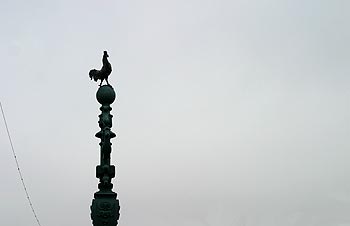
(93, 74)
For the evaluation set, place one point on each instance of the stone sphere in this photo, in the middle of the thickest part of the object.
(105, 95)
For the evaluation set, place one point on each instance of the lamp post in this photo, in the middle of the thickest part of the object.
(105, 205)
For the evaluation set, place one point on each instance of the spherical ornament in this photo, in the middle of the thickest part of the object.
(105, 95)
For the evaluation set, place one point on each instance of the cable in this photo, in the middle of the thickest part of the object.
(18, 169)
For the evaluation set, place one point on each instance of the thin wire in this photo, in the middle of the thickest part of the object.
(19, 170)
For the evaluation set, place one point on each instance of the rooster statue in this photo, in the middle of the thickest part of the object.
(104, 72)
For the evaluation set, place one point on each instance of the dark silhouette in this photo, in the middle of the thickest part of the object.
(104, 72)
(105, 205)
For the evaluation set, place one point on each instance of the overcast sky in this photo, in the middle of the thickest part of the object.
(229, 112)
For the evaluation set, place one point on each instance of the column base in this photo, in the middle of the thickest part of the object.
(105, 209)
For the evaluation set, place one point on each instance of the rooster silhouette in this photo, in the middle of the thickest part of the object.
(104, 72)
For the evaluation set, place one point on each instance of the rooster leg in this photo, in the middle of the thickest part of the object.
(101, 82)
(107, 81)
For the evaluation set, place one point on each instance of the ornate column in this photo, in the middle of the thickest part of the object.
(105, 205)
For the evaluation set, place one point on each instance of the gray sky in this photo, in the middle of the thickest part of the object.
(230, 113)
